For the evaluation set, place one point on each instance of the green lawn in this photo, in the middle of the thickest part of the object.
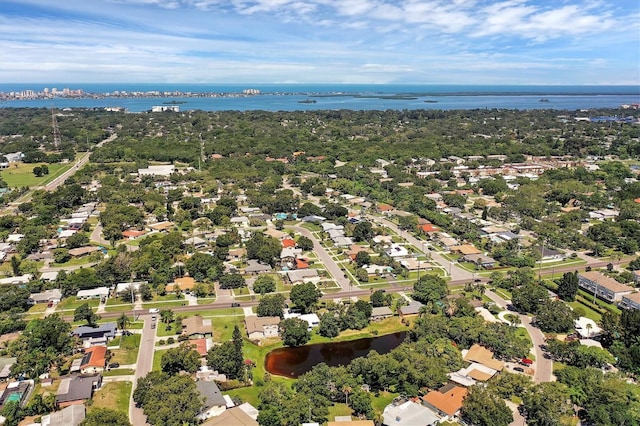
(72, 303)
(157, 357)
(119, 372)
(22, 175)
(77, 261)
(114, 395)
(382, 400)
(128, 351)
(162, 331)
(223, 326)
(165, 305)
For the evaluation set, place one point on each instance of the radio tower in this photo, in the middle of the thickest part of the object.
(56, 129)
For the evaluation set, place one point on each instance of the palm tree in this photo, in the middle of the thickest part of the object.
(589, 327)
(346, 390)
(123, 321)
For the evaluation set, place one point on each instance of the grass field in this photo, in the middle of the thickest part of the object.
(21, 174)
(157, 357)
(119, 372)
(128, 351)
(114, 395)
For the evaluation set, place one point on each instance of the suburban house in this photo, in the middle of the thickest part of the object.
(83, 251)
(101, 293)
(631, 301)
(483, 356)
(183, 283)
(409, 414)
(235, 416)
(165, 226)
(548, 254)
(396, 250)
(196, 327)
(201, 346)
(446, 401)
(380, 313)
(413, 308)
(603, 286)
(481, 260)
(261, 327)
(464, 249)
(312, 319)
(48, 296)
(254, 267)
(77, 389)
(5, 367)
(93, 360)
(214, 402)
(346, 421)
(132, 234)
(299, 276)
(102, 331)
(21, 279)
(72, 415)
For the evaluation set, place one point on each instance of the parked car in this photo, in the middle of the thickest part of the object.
(520, 369)
(154, 310)
(114, 365)
(235, 305)
(526, 361)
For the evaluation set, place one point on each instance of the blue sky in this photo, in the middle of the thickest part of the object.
(321, 41)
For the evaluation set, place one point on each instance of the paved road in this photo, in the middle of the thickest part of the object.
(543, 366)
(325, 258)
(96, 235)
(84, 159)
(143, 366)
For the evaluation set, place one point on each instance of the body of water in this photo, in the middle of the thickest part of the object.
(293, 362)
(331, 97)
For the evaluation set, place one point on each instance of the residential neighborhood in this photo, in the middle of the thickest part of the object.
(307, 292)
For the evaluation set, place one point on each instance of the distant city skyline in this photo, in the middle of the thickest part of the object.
(321, 41)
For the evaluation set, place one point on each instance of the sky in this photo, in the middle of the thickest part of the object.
(321, 41)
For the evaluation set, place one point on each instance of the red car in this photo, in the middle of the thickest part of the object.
(526, 361)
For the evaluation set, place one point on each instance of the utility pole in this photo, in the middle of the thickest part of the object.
(56, 129)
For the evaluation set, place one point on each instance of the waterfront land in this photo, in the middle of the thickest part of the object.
(505, 243)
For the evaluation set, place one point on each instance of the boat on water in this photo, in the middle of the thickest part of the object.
(544, 100)
(307, 101)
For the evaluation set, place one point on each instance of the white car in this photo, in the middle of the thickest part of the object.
(154, 310)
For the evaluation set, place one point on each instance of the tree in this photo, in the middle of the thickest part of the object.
(232, 281)
(430, 288)
(568, 286)
(182, 358)
(362, 258)
(166, 316)
(481, 407)
(84, 312)
(61, 255)
(554, 316)
(305, 296)
(105, 416)
(264, 248)
(227, 358)
(264, 284)
(547, 404)
(361, 403)
(43, 342)
(294, 332)
(168, 400)
(304, 243)
(271, 306)
(380, 298)
(37, 171)
(329, 325)
(363, 231)
(15, 265)
(123, 321)
(528, 297)
(199, 265)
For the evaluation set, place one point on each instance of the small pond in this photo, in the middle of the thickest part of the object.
(293, 362)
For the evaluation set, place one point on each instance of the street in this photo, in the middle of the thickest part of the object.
(143, 366)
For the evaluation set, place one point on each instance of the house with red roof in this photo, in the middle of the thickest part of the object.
(446, 401)
(132, 234)
(428, 228)
(94, 360)
(288, 242)
(302, 264)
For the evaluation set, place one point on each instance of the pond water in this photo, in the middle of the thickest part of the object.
(293, 362)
